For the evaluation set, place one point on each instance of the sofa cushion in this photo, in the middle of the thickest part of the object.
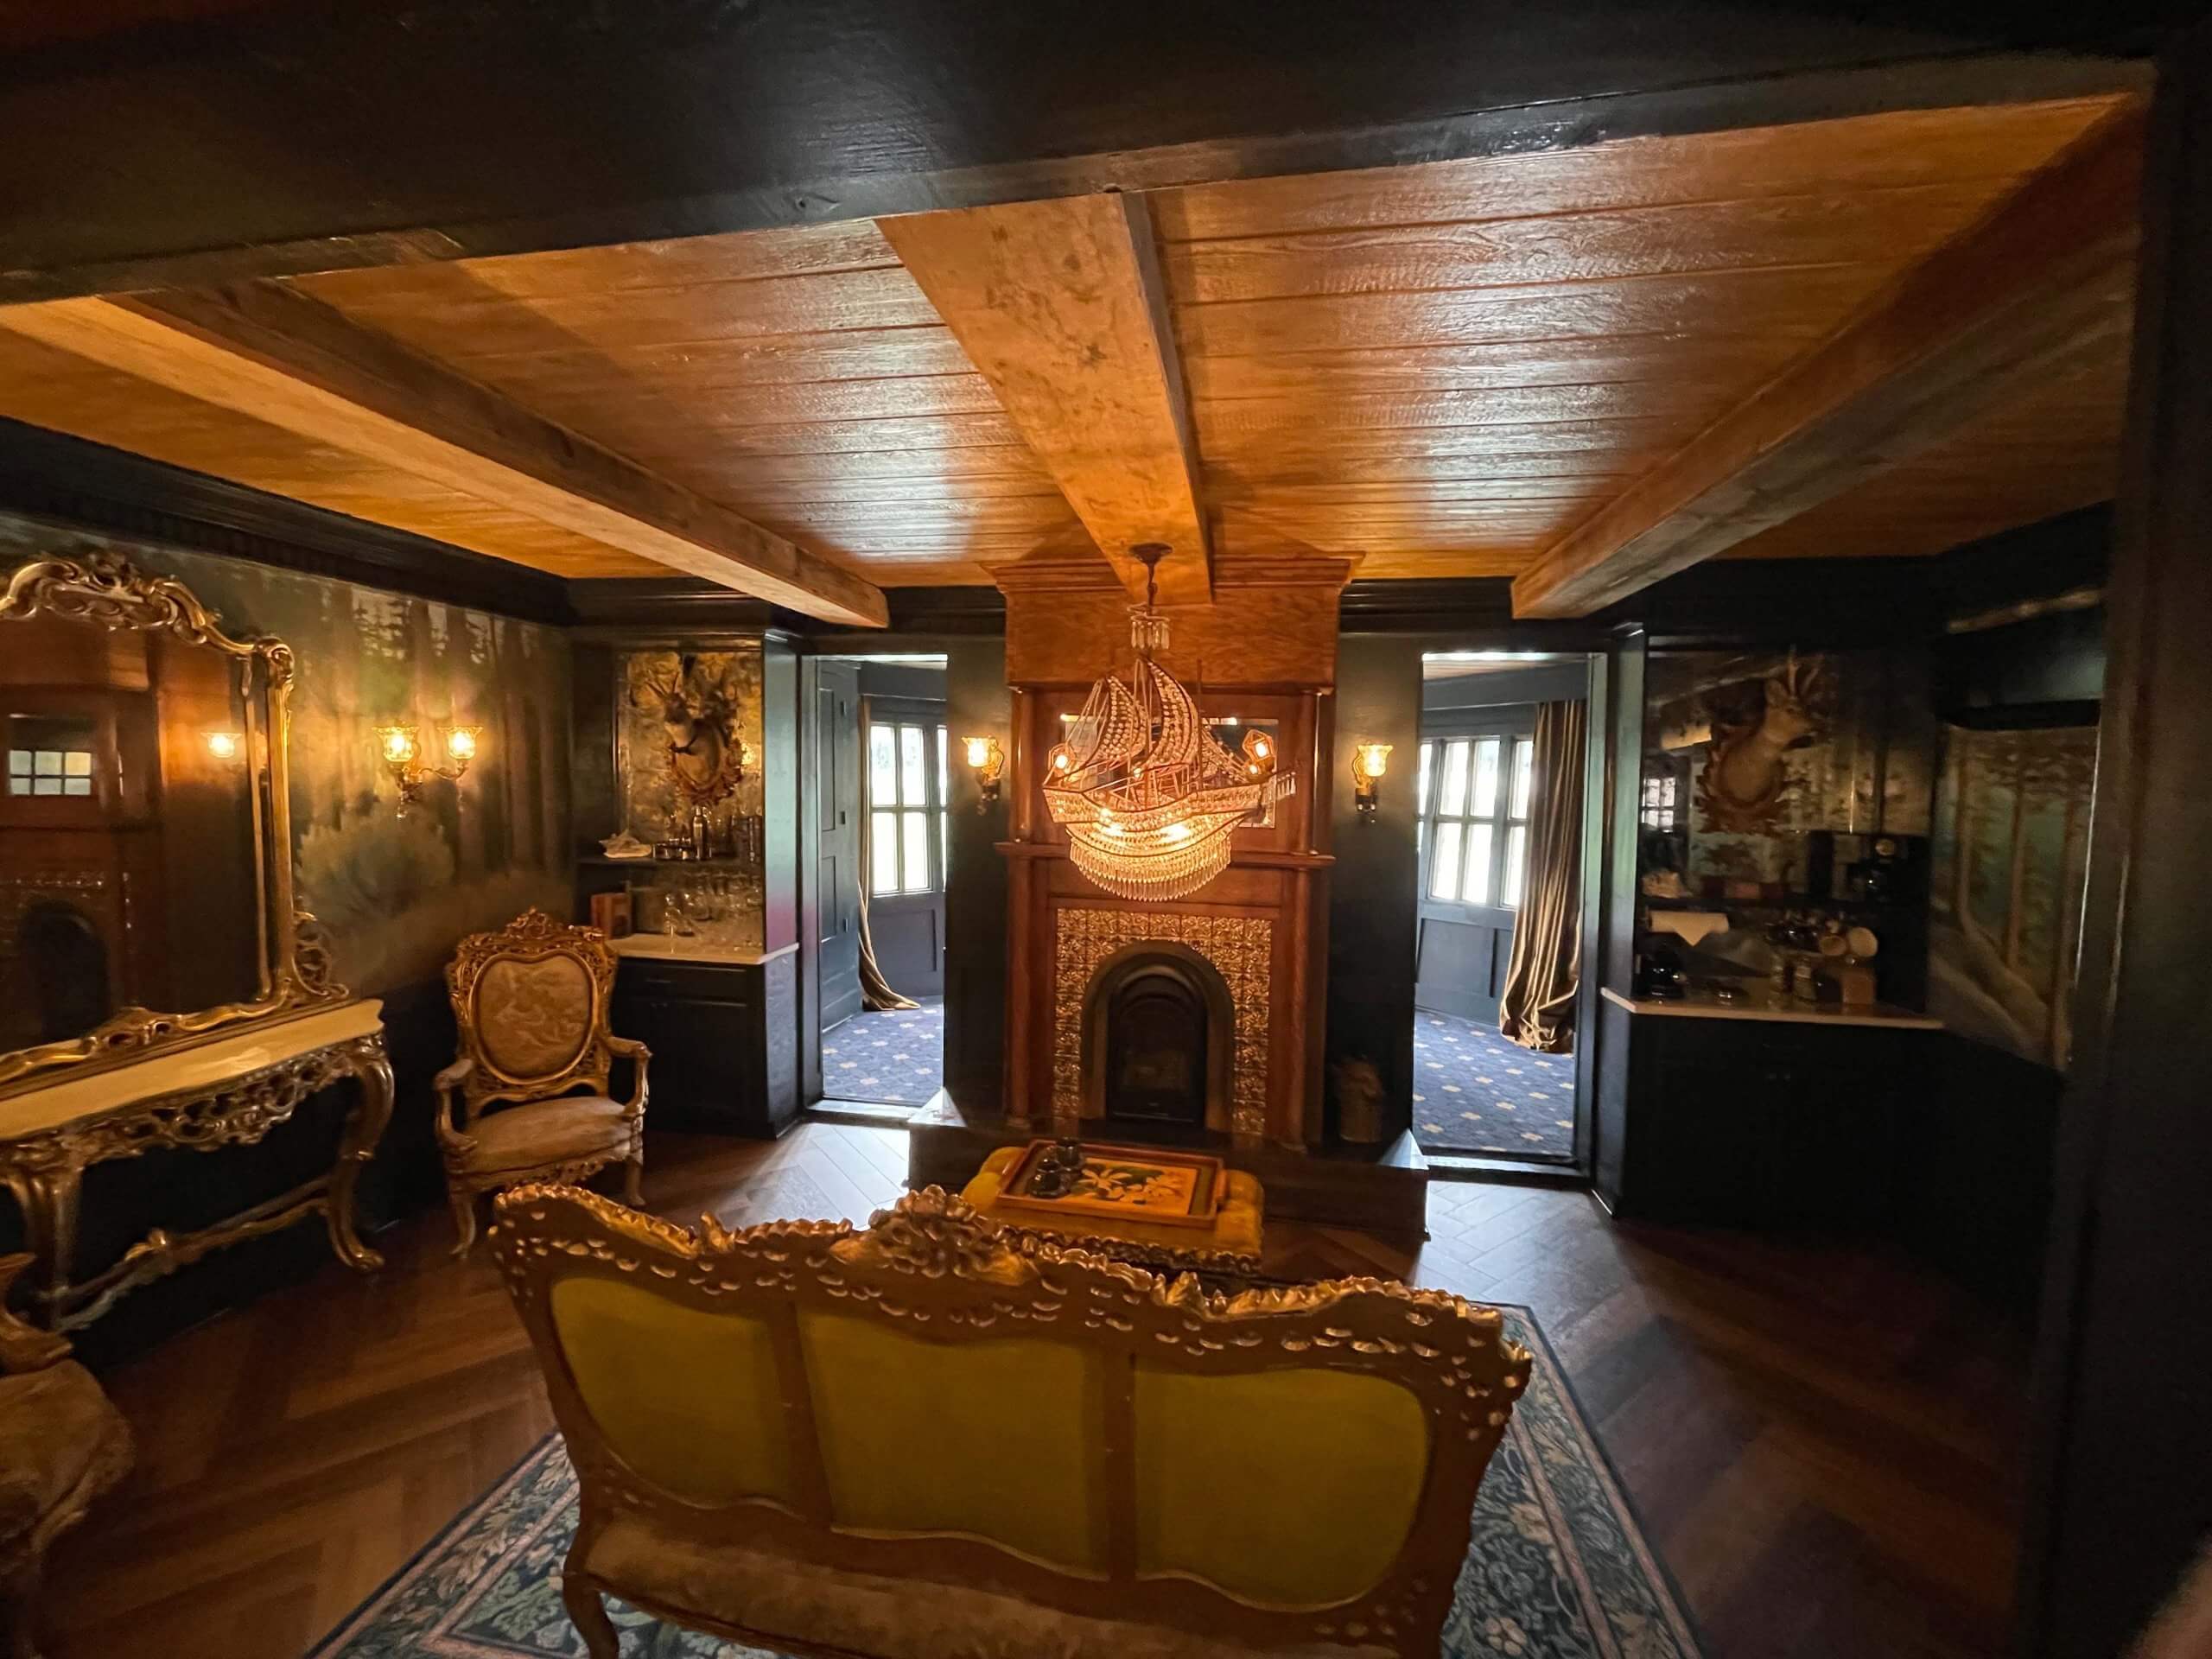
(992, 1438)
(1289, 1488)
(688, 1400)
(787, 1598)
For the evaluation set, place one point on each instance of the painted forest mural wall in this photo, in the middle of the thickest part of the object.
(395, 893)
(2010, 862)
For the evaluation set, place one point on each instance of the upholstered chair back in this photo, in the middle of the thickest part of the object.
(531, 1003)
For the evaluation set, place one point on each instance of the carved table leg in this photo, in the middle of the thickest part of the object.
(364, 1126)
(48, 1200)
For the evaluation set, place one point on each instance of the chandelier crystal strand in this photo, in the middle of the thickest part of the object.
(1147, 792)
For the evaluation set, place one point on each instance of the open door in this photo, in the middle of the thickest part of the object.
(837, 788)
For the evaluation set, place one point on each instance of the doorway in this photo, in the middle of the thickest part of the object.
(882, 746)
(1480, 1095)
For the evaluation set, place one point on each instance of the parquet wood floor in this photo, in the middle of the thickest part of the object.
(1823, 1445)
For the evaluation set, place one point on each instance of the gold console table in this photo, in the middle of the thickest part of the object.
(229, 1092)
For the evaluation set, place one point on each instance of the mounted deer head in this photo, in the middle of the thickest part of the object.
(698, 710)
(1745, 781)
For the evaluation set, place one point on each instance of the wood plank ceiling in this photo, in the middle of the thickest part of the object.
(1444, 368)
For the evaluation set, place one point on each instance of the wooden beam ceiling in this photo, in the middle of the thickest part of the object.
(1061, 306)
(290, 361)
(2042, 280)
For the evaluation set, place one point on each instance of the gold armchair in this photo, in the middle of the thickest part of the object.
(61, 1445)
(531, 1004)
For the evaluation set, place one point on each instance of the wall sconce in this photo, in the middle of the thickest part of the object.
(225, 745)
(1368, 762)
(400, 749)
(987, 761)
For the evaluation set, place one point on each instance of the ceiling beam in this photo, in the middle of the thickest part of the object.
(1061, 306)
(287, 359)
(2046, 277)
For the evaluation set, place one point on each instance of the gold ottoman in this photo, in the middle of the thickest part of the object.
(1228, 1243)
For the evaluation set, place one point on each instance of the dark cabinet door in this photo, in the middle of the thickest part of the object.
(703, 1054)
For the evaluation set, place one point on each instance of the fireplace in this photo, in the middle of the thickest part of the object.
(1159, 1036)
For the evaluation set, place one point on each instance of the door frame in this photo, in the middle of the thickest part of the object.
(1589, 670)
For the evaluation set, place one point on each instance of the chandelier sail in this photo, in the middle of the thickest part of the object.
(1146, 792)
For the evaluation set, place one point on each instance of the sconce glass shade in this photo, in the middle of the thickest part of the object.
(1370, 760)
(226, 746)
(979, 751)
(460, 743)
(399, 745)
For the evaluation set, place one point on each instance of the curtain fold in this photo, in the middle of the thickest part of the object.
(1544, 973)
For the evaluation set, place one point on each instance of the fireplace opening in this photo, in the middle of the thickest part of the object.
(1158, 1028)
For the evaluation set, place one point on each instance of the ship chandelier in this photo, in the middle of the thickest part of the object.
(1146, 792)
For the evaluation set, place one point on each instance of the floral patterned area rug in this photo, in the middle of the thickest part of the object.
(1557, 1568)
(1475, 1091)
(894, 1057)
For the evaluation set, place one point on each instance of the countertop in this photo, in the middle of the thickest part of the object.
(664, 947)
(1785, 1010)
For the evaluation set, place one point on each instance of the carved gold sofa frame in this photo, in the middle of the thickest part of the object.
(531, 1001)
(934, 1440)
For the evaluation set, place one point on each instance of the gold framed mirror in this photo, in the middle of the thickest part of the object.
(145, 824)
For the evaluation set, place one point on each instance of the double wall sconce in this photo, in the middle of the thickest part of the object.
(400, 749)
(987, 761)
(1368, 762)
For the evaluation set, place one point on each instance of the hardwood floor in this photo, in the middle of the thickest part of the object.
(1823, 1447)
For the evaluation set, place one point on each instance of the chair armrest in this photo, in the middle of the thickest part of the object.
(450, 1138)
(629, 1048)
(23, 1346)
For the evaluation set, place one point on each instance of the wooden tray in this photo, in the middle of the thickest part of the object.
(1133, 1183)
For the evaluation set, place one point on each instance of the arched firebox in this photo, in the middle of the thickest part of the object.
(1159, 1039)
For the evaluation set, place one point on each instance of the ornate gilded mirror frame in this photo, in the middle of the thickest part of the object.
(294, 967)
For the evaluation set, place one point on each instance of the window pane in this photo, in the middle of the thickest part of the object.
(1421, 788)
(1479, 847)
(77, 763)
(1523, 752)
(46, 785)
(19, 763)
(915, 826)
(1484, 804)
(47, 764)
(76, 785)
(1516, 852)
(1452, 795)
(944, 776)
(913, 788)
(945, 849)
(882, 768)
(883, 851)
(1444, 875)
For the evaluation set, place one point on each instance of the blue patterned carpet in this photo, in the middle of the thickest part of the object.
(1556, 1568)
(1474, 1091)
(896, 1057)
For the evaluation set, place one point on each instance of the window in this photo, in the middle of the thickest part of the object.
(907, 822)
(49, 755)
(1473, 798)
(1660, 802)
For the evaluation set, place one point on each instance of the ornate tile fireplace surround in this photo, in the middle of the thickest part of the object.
(1249, 950)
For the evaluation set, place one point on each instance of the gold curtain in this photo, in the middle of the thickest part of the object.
(1536, 1008)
